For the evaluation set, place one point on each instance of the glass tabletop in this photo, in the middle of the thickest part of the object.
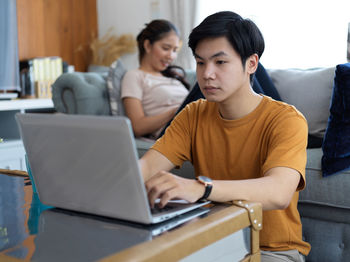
(30, 230)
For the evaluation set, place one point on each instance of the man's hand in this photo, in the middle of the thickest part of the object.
(167, 186)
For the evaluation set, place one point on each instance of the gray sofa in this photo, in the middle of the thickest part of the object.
(324, 205)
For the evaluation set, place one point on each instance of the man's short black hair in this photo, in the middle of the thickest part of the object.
(243, 34)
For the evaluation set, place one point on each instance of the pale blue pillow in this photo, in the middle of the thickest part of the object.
(115, 75)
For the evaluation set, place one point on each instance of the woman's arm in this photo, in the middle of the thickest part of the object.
(141, 124)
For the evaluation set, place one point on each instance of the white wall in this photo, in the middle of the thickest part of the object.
(129, 17)
(297, 33)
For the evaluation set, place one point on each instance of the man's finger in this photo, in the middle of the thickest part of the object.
(158, 190)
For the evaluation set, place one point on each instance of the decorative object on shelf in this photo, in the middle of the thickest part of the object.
(38, 74)
(105, 50)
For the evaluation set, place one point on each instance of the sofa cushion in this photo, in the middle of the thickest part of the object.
(115, 75)
(330, 241)
(309, 90)
(324, 191)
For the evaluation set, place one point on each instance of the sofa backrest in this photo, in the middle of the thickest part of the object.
(309, 90)
(94, 93)
(81, 93)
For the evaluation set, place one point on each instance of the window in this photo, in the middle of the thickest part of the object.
(297, 33)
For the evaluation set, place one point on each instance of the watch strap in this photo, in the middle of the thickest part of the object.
(207, 191)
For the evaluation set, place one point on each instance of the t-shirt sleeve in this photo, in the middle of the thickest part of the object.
(175, 144)
(287, 145)
(132, 85)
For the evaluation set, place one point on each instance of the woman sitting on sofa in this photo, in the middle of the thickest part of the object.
(152, 93)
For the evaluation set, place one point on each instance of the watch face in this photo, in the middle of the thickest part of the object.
(205, 179)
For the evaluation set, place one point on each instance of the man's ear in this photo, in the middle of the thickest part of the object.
(147, 45)
(252, 63)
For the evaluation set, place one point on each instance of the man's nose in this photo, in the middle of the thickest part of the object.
(209, 72)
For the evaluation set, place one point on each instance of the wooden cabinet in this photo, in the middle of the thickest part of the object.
(11, 149)
(57, 28)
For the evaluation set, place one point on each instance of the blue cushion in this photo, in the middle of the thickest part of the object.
(336, 143)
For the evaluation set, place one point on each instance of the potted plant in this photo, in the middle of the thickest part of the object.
(105, 50)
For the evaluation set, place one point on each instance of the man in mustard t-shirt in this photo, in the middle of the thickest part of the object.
(249, 146)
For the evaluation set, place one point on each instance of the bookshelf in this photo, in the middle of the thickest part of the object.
(25, 104)
(11, 149)
(62, 28)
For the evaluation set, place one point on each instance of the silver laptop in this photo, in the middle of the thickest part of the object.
(90, 164)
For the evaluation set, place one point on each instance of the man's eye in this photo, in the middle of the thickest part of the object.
(220, 62)
(199, 63)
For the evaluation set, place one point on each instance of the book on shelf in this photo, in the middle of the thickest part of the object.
(38, 74)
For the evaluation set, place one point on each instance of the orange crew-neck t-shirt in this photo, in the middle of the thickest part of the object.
(272, 135)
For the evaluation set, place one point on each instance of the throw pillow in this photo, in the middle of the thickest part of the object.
(336, 144)
(266, 83)
(115, 75)
(309, 90)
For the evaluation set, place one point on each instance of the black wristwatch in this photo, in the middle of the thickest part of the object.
(208, 183)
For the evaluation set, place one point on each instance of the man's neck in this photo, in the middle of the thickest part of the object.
(239, 106)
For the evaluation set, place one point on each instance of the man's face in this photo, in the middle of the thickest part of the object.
(220, 73)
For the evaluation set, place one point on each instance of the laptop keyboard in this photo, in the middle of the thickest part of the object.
(157, 210)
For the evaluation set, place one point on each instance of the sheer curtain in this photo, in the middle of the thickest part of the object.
(9, 69)
(298, 33)
(184, 15)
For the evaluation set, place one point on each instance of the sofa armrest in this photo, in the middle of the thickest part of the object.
(81, 93)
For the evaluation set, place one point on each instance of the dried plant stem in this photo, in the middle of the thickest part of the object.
(106, 50)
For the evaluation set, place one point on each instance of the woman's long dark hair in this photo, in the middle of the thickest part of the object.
(154, 31)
